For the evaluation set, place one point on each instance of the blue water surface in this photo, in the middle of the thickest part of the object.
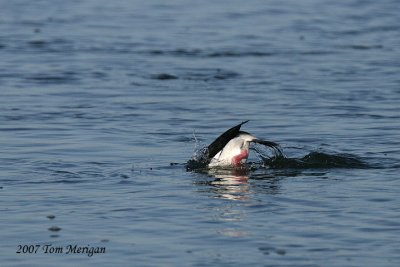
(101, 103)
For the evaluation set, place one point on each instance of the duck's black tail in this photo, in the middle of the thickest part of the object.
(222, 140)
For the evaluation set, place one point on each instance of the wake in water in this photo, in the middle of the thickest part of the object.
(231, 151)
(274, 158)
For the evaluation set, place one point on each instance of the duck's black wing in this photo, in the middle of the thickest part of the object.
(223, 139)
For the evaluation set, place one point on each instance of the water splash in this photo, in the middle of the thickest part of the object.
(266, 154)
(200, 158)
(275, 158)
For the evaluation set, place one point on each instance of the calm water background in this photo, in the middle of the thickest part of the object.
(97, 98)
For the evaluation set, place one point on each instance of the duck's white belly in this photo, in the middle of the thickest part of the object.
(233, 154)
